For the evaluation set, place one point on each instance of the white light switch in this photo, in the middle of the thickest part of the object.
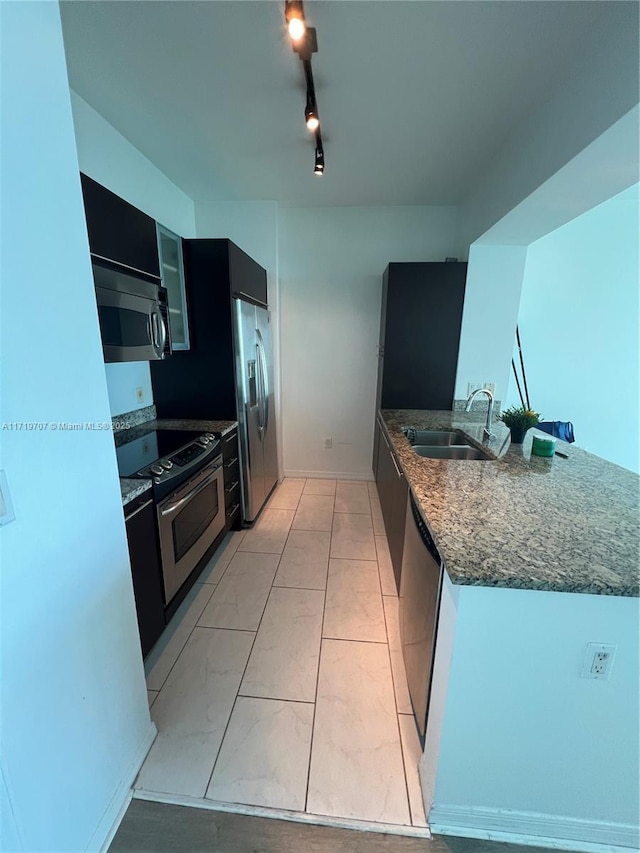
(6, 508)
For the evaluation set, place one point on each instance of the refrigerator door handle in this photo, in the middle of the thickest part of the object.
(264, 381)
(260, 388)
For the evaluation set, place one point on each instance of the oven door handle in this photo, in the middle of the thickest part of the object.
(174, 507)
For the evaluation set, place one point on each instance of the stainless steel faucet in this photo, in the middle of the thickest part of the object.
(487, 430)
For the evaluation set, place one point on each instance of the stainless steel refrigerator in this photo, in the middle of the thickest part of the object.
(255, 404)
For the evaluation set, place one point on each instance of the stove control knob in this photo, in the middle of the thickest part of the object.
(157, 469)
(156, 480)
(211, 436)
(167, 464)
(203, 441)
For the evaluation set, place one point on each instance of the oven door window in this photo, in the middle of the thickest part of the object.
(192, 521)
(123, 327)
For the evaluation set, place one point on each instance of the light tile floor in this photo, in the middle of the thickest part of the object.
(280, 681)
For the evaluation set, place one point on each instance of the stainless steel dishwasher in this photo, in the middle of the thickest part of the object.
(420, 587)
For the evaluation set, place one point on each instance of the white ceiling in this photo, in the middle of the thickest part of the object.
(414, 96)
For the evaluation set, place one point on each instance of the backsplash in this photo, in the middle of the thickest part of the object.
(481, 404)
(134, 418)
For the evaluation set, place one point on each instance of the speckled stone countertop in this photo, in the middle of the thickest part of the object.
(522, 521)
(131, 488)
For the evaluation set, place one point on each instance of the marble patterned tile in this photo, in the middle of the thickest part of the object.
(305, 560)
(315, 512)
(192, 712)
(353, 608)
(151, 696)
(352, 537)
(319, 487)
(387, 577)
(269, 533)
(287, 494)
(165, 652)
(284, 660)
(264, 758)
(215, 568)
(412, 753)
(356, 757)
(376, 515)
(239, 599)
(403, 700)
(352, 497)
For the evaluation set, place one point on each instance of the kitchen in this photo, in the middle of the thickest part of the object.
(254, 226)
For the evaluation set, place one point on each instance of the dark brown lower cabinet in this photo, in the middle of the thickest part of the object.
(393, 492)
(140, 518)
(231, 476)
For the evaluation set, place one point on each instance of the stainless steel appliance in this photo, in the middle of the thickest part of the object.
(255, 404)
(133, 315)
(420, 590)
(187, 475)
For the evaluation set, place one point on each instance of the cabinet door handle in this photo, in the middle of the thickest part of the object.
(386, 441)
(231, 487)
(231, 462)
(231, 438)
(395, 465)
(231, 510)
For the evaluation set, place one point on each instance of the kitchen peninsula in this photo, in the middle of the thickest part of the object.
(541, 559)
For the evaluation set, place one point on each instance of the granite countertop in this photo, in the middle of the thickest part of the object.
(522, 521)
(130, 488)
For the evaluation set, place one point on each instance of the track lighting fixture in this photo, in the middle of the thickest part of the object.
(294, 15)
(311, 113)
(305, 44)
(318, 169)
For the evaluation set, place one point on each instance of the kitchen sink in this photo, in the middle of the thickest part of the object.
(460, 451)
(436, 437)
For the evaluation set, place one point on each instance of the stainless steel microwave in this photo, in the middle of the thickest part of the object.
(133, 316)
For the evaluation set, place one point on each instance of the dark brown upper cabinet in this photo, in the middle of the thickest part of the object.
(420, 334)
(118, 231)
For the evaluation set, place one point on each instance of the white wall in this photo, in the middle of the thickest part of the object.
(578, 320)
(331, 266)
(528, 746)
(492, 296)
(75, 720)
(594, 92)
(107, 157)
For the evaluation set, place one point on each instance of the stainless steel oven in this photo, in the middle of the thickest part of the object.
(189, 520)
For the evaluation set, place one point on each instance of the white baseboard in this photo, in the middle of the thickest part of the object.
(284, 814)
(110, 820)
(329, 475)
(530, 828)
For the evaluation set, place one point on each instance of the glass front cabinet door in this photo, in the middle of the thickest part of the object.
(172, 271)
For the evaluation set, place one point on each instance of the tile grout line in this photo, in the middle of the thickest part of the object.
(215, 586)
(315, 701)
(238, 694)
(235, 701)
(395, 698)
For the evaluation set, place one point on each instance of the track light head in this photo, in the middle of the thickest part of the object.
(318, 168)
(294, 16)
(311, 114)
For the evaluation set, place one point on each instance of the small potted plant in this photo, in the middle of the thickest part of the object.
(519, 420)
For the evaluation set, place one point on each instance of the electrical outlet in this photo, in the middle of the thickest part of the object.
(490, 386)
(140, 394)
(328, 443)
(598, 660)
(472, 386)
